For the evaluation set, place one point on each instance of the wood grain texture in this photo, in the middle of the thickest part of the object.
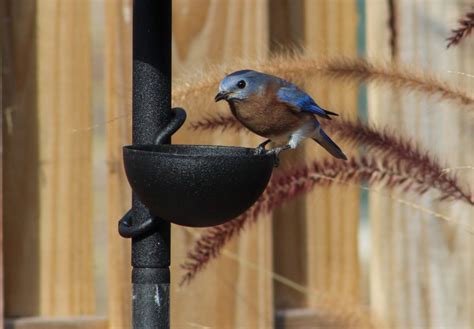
(333, 212)
(20, 161)
(65, 144)
(3, 17)
(77, 322)
(227, 294)
(316, 240)
(422, 267)
(118, 66)
(47, 162)
(289, 221)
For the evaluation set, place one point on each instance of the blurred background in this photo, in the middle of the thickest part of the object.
(340, 256)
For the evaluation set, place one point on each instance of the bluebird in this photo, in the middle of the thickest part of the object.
(277, 110)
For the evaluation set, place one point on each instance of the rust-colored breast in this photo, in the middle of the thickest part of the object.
(266, 116)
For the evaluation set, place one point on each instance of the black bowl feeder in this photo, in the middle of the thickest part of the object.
(193, 185)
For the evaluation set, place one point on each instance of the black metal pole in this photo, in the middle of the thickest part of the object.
(151, 112)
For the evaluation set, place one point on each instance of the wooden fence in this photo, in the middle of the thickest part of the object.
(301, 266)
(421, 265)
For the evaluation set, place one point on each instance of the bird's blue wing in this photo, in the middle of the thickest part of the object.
(300, 101)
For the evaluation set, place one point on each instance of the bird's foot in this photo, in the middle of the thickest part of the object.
(276, 151)
(260, 149)
(279, 149)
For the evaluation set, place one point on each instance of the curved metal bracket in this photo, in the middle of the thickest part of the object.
(127, 230)
(179, 116)
(125, 226)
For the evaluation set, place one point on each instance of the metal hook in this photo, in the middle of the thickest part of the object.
(126, 228)
(179, 116)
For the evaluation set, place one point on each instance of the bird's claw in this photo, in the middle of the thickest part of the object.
(276, 151)
(276, 159)
(260, 149)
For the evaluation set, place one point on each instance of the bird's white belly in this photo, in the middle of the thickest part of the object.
(297, 136)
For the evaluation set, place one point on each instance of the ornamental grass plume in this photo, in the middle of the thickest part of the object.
(420, 164)
(378, 141)
(285, 186)
(218, 122)
(297, 68)
(466, 24)
(391, 161)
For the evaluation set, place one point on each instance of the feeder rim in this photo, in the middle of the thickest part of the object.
(137, 148)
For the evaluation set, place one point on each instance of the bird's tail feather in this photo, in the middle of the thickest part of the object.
(322, 139)
(331, 113)
(319, 111)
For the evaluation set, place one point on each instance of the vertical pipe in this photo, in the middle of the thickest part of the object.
(151, 112)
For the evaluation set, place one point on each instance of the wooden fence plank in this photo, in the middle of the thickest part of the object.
(2, 298)
(332, 216)
(4, 18)
(316, 235)
(421, 273)
(118, 64)
(48, 161)
(21, 176)
(315, 238)
(64, 117)
(289, 222)
(225, 295)
(77, 322)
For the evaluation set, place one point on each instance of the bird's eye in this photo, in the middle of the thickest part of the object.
(241, 84)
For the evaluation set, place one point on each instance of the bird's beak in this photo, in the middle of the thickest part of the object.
(221, 95)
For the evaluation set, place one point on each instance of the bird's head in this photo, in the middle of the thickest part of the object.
(238, 86)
